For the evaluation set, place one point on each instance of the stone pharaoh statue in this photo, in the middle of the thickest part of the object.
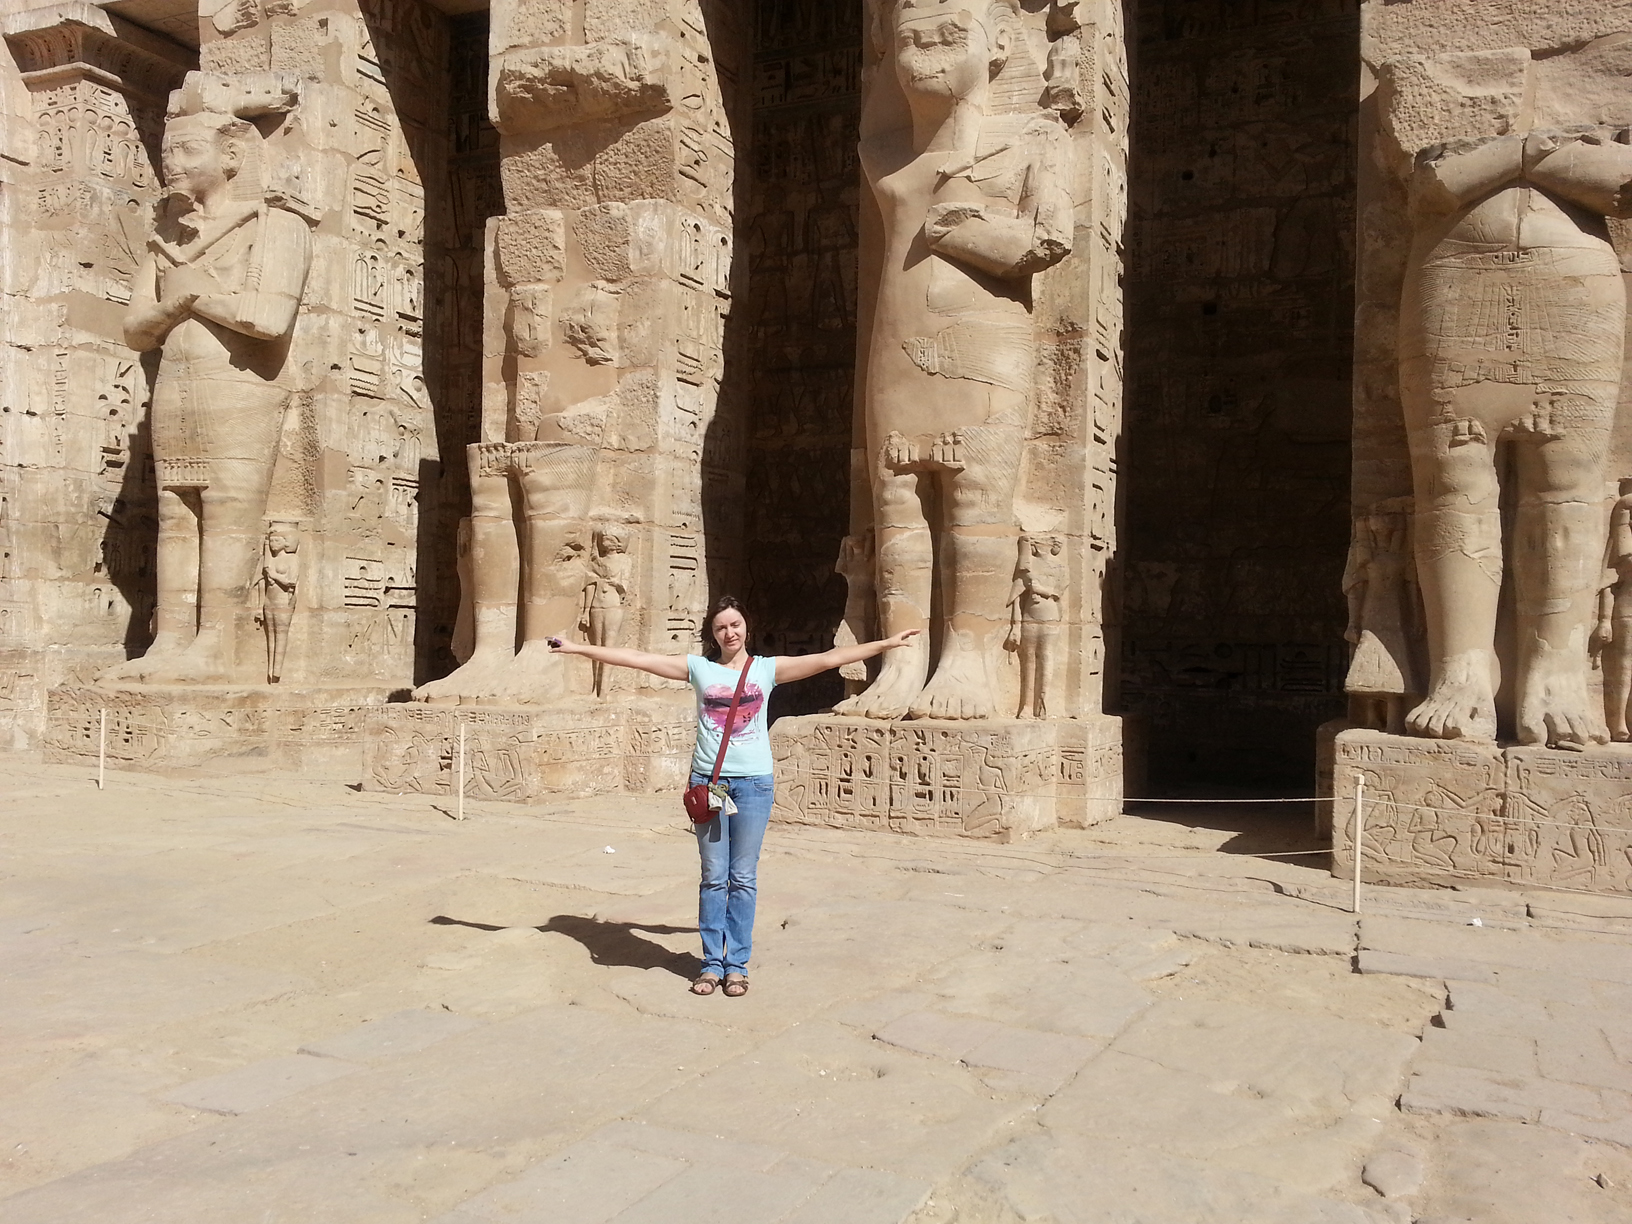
(1512, 328)
(969, 175)
(218, 291)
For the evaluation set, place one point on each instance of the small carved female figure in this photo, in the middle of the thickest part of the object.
(607, 589)
(280, 575)
(1612, 639)
(1034, 628)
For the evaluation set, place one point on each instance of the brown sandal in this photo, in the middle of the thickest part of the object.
(735, 985)
(705, 985)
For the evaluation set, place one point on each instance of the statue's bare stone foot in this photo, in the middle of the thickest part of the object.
(202, 662)
(536, 676)
(1461, 706)
(165, 647)
(899, 681)
(478, 679)
(1555, 708)
(960, 688)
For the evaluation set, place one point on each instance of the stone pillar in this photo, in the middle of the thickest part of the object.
(82, 112)
(989, 401)
(604, 477)
(1490, 605)
(343, 115)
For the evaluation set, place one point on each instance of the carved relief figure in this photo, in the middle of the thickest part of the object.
(969, 173)
(1612, 639)
(611, 574)
(1512, 328)
(1040, 582)
(217, 291)
(280, 576)
(1382, 596)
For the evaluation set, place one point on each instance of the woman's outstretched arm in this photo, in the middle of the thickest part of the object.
(800, 667)
(669, 667)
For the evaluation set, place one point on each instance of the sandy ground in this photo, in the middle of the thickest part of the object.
(281, 1001)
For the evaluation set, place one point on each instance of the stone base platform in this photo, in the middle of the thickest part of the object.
(316, 729)
(1438, 812)
(523, 752)
(1000, 779)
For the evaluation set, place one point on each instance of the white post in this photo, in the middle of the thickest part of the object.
(460, 810)
(1359, 834)
(102, 754)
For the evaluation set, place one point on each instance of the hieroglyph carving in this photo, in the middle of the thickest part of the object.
(971, 175)
(1511, 333)
(217, 291)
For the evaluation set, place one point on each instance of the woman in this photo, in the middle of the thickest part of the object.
(729, 844)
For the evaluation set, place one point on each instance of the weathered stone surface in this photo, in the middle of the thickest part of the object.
(259, 1084)
(404, 1032)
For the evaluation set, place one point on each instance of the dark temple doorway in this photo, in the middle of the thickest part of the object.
(1240, 310)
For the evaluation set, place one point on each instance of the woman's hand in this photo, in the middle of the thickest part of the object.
(900, 639)
(564, 646)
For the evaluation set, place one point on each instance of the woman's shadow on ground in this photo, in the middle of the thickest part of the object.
(611, 943)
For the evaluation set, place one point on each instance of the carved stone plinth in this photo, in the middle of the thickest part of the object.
(315, 729)
(999, 779)
(520, 753)
(1437, 811)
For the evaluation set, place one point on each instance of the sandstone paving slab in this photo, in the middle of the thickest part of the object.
(1578, 1051)
(1583, 956)
(1434, 968)
(403, 1032)
(259, 1084)
(76, 996)
(1499, 1053)
(1502, 1172)
(1062, 1179)
(588, 1183)
(824, 1092)
(1038, 1062)
(410, 1138)
(1472, 1093)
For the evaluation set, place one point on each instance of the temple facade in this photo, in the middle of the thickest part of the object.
(1231, 391)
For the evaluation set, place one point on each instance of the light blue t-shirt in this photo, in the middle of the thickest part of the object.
(748, 755)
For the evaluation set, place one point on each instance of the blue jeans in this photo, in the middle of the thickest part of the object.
(729, 848)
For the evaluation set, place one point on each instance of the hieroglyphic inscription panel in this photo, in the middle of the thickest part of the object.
(1439, 811)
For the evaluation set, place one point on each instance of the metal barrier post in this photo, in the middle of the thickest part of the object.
(1359, 835)
(460, 812)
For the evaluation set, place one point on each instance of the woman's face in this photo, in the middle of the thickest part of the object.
(730, 631)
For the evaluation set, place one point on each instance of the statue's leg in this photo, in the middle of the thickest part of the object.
(279, 618)
(905, 581)
(495, 563)
(1618, 681)
(175, 615)
(1028, 671)
(1459, 565)
(233, 534)
(1557, 557)
(555, 488)
(977, 574)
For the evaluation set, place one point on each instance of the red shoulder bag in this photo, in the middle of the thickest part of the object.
(696, 797)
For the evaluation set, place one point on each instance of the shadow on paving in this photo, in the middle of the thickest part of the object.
(612, 944)
(1270, 828)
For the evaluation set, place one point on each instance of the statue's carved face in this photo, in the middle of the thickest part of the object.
(280, 542)
(198, 160)
(944, 49)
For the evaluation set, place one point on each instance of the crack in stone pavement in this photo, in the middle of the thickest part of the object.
(281, 1000)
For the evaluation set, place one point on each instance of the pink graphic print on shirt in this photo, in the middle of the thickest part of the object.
(717, 704)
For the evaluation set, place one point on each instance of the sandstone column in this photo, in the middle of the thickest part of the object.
(1489, 409)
